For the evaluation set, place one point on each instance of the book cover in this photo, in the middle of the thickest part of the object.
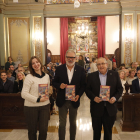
(70, 92)
(43, 90)
(105, 93)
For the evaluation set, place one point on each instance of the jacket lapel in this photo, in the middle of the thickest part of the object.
(138, 84)
(66, 74)
(109, 74)
(98, 79)
(74, 74)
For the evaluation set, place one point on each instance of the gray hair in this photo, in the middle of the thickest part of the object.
(70, 50)
(102, 58)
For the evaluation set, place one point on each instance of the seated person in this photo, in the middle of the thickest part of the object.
(16, 69)
(9, 76)
(6, 86)
(21, 69)
(114, 67)
(18, 84)
(8, 63)
(12, 69)
(131, 78)
(136, 83)
(123, 81)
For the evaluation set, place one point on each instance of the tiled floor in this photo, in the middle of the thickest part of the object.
(84, 127)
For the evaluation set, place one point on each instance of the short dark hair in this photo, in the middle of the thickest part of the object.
(30, 65)
(93, 59)
(3, 72)
(9, 57)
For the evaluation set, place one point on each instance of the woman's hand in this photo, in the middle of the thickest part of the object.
(43, 99)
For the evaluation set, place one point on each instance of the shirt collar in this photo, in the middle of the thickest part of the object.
(104, 74)
(38, 76)
(72, 68)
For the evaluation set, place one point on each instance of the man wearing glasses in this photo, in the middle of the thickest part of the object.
(103, 112)
(74, 75)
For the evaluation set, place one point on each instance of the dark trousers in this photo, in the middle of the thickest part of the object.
(34, 115)
(107, 122)
(62, 120)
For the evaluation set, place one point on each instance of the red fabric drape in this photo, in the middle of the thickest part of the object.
(101, 36)
(63, 38)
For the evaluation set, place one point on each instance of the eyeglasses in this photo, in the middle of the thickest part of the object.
(68, 57)
(99, 64)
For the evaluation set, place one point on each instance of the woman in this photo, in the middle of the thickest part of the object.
(123, 81)
(8, 63)
(18, 84)
(81, 61)
(36, 105)
(93, 66)
(131, 78)
(121, 68)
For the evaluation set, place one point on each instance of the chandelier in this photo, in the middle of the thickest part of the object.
(82, 29)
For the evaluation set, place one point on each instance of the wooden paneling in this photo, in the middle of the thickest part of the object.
(12, 111)
(55, 58)
(131, 112)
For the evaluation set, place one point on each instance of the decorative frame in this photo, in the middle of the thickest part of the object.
(128, 23)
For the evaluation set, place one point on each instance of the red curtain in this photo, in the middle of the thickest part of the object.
(101, 35)
(63, 38)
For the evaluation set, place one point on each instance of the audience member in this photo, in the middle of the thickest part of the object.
(131, 78)
(113, 59)
(21, 69)
(123, 81)
(136, 66)
(6, 86)
(9, 76)
(8, 63)
(48, 58)
(11, 68)
(81, 61)
(93, 66)
(109, 66)
(126, 73)
(53, 72)
(86, 59)
(114, 67)
(18, 84)
(122, 68)
(122, 65)
(19, 65)
(136, 83)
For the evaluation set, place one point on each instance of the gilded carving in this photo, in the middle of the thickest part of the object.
(128, 44)
(37, 39)
(138, 39)
(19, 40)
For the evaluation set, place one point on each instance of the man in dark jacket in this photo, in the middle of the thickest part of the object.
(66, 75)
(6, 86)
(103, 112)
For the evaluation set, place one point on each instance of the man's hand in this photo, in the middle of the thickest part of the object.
(112, 100)
(62, 86)
(76, 98)
(43, 99)
(97, 99)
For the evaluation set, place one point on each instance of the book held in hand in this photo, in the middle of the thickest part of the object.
(105, 93)
(70, 92)
(43, 90)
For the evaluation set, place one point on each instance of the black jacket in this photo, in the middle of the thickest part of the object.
(135, 86)
(78, 80)
(7, 88)
(93, 90)
(18, 86)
